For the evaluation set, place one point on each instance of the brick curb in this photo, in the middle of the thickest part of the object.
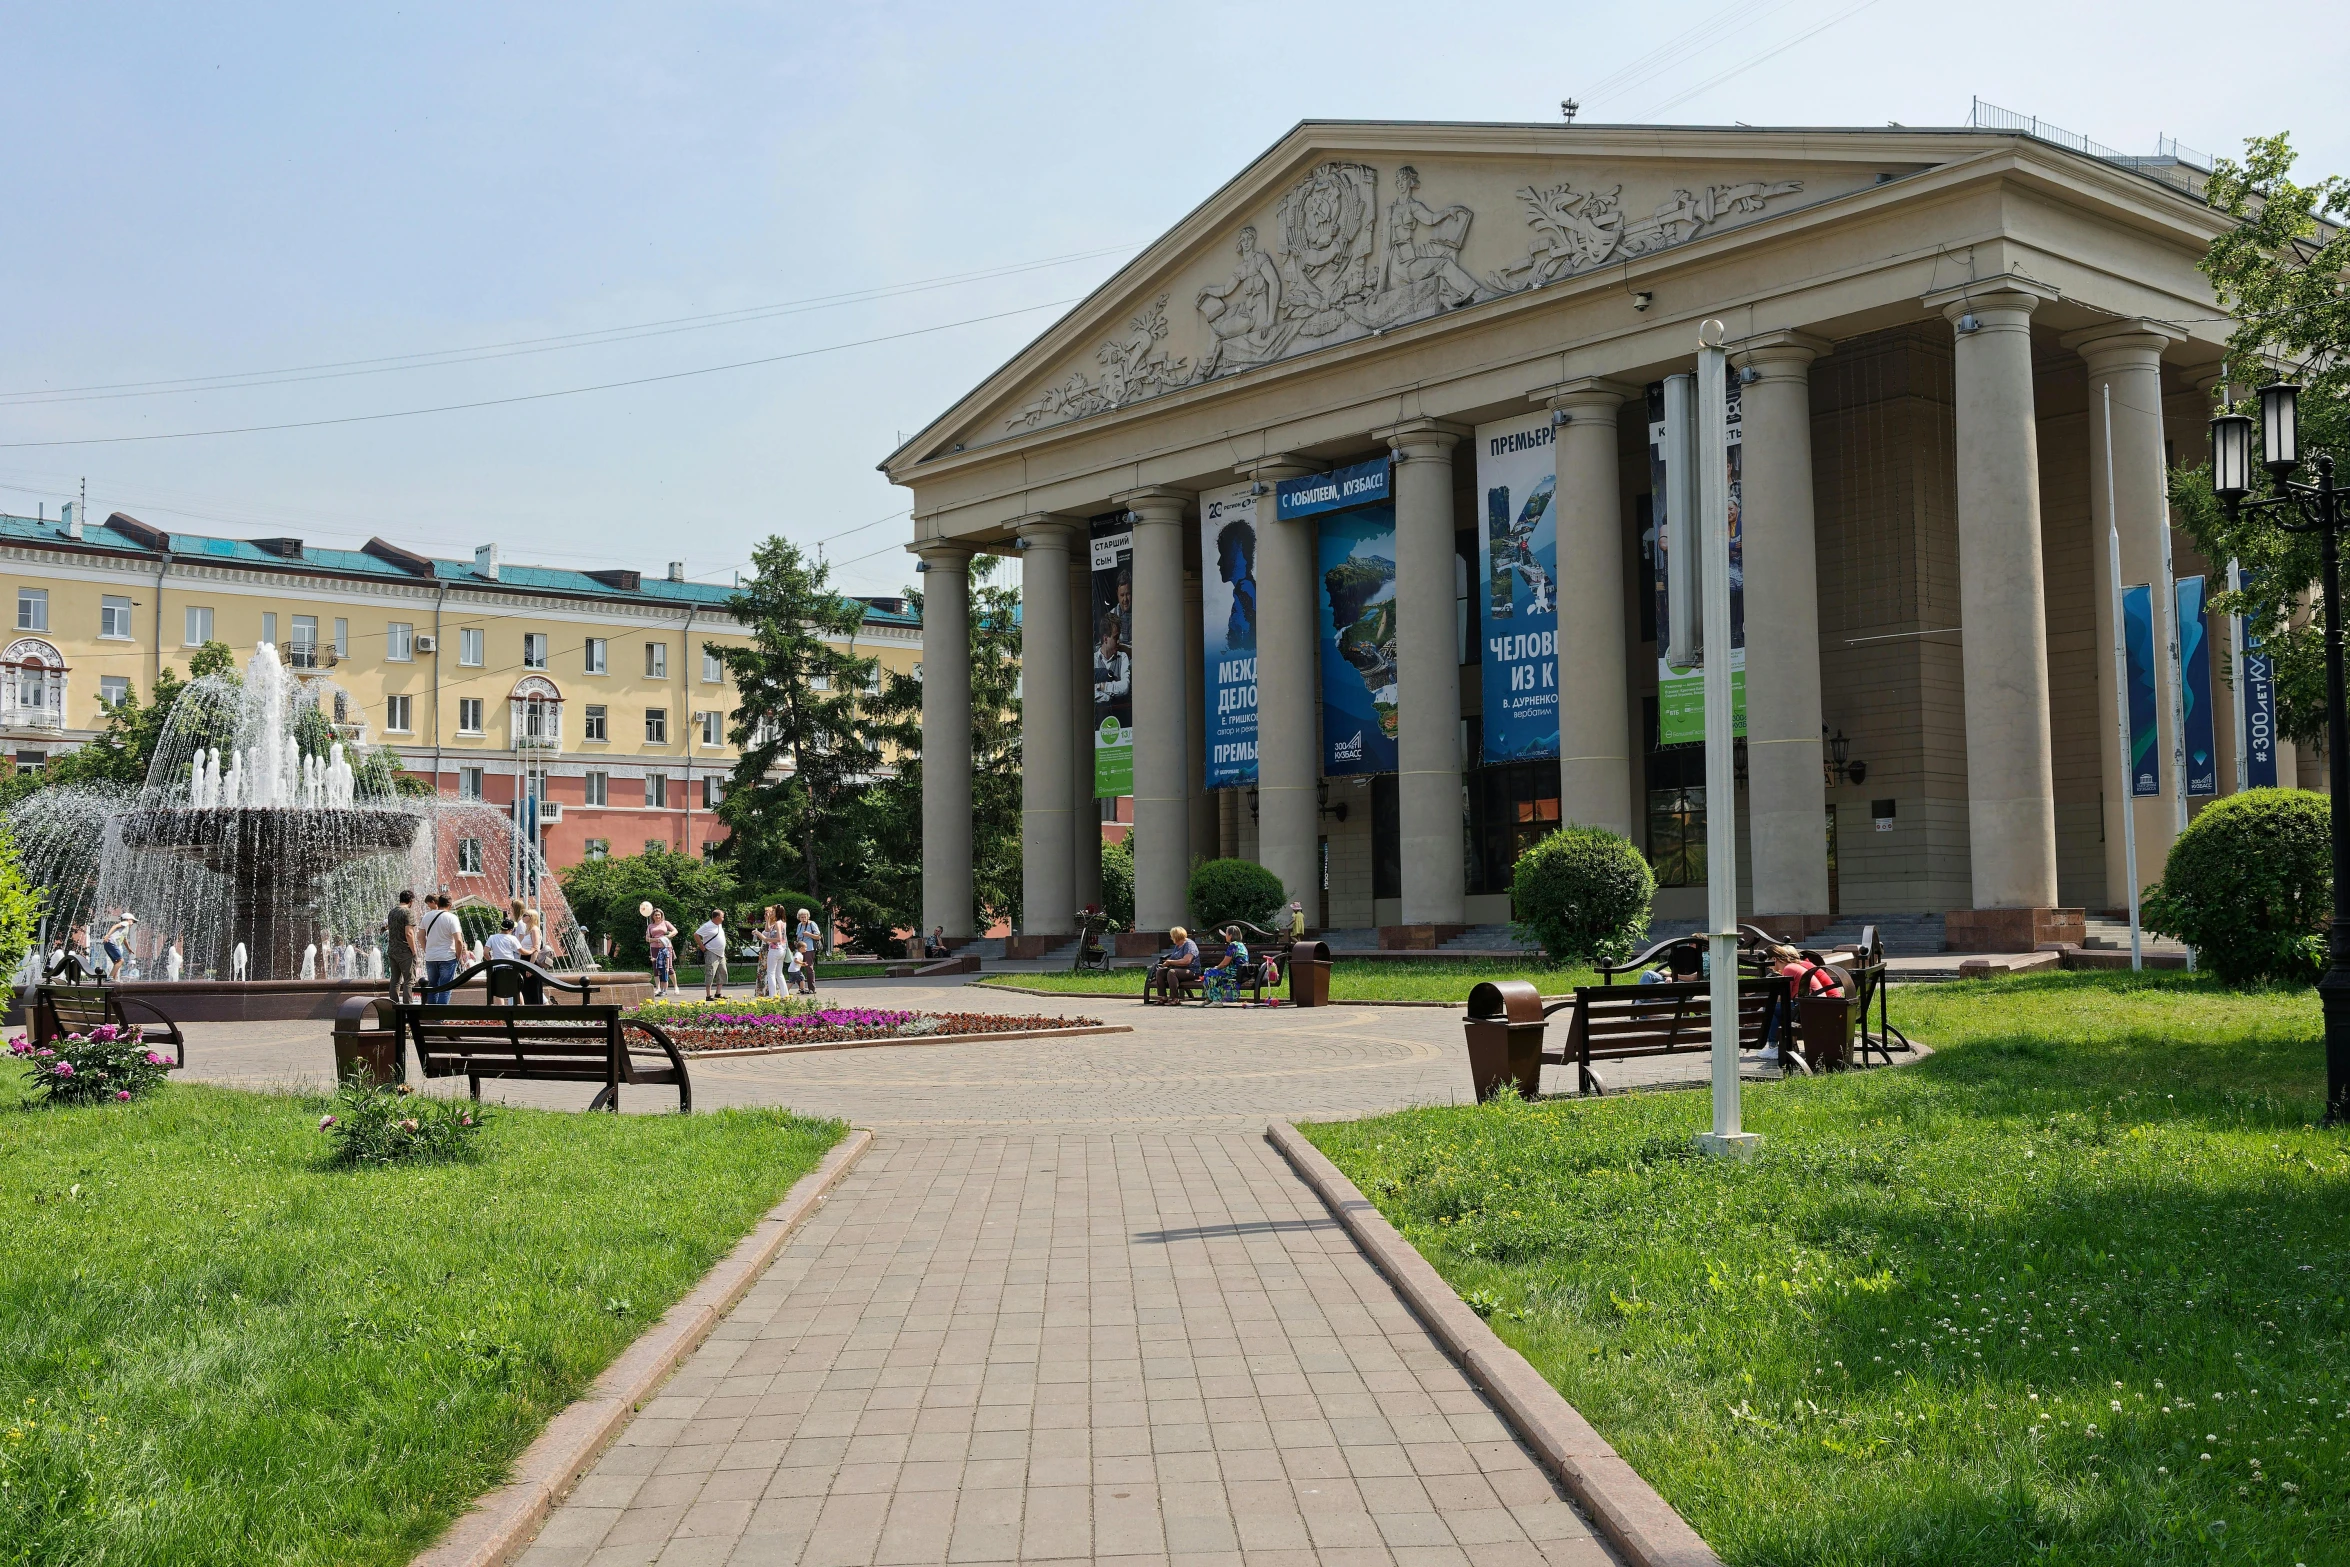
(912, 1039)
(1640, 1524)
(502, 1522)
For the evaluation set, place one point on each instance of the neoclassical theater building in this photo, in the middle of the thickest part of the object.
(1338, 513)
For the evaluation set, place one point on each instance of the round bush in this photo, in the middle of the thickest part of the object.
(1583, 893)
(1226, 890)
(2249, 885)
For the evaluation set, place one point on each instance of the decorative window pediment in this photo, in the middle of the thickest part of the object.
(32, 685)
(537, 711)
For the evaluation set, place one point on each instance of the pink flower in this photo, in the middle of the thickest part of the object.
(122, 1094)
(63, 1069)
(325, 1121)
(155, 1059)
(464, 1120)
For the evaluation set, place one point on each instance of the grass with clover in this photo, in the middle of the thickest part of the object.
(2070, 1290)
(218, 1350)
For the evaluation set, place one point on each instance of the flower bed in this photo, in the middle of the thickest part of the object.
(765, 1025)
(107, 1065)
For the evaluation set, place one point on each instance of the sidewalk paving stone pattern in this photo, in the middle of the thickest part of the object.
(1152, 1347)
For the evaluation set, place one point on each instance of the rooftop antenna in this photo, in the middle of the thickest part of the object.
(1568, 109)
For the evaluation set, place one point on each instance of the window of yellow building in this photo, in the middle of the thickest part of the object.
(32, 609)
(196, 625)
(468, 783)
(534, 650)
(400, 642)
(656, 661)
(469, 715)
(713, 668)
(595, 722)
(595, 655)
(469, 646)
(398, 714)
(656, 726)
(657, 791)
(114, 617)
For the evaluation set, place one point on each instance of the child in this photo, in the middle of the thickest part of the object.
(807, 954)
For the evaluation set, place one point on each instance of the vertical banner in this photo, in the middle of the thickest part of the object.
(2199, 735)
(1517, 468)
(1680, 694)
(2256, 702)
(2138, 653)
(1228, 632)
(1113, 656)
(1355, 611)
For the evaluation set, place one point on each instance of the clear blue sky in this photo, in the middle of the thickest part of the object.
(201, 190)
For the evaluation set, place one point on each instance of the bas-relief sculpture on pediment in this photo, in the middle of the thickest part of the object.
(1342, 266)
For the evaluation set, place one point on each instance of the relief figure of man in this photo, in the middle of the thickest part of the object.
(1424, 245)
(1245, 313)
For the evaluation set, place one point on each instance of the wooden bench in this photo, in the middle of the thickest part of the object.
(59, 1010)
(575, 1043)
(1618, 1022)
(1178, 984)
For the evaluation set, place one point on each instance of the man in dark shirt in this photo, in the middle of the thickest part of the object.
(400, 947)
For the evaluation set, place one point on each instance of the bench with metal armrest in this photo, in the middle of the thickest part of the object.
(59, 1010)
(1619, 1022)
(576, 1042)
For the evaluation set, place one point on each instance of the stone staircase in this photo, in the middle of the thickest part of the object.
(2108, 934)
(1487, 938)
(1904, 935)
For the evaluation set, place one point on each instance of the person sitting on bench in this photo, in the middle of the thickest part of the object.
(1684, 963)
(1808, 979)
(1179, 963)
(1223, 981)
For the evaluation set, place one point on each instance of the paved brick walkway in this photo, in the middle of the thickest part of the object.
(1135, 1348)
(1070, 1307)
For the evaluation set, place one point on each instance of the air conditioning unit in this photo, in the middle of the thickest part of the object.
(428, 644)
(550, 812)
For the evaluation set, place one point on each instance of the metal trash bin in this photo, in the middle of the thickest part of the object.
(1309, 974)
(1826, 1024)
(374, 1053)
(1504, 1026)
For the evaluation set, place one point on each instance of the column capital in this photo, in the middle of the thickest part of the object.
(1273, 467)
(1585, 394)
(1047, 528)
(1154, 503)
(944, 554)
(2206, 379)
(1417, 440)
(2132, 340)
(2005, 293)
(1780, 356)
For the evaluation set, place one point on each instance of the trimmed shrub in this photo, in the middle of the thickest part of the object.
(1226, 890)
(2250, 886)
(1118, 882)
(1583, 893)
(368, 1125)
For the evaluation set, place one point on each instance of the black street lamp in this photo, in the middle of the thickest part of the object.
(2322, 509)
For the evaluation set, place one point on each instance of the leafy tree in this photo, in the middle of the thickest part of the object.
(2279, 272)
(1584, 894)
(805, 750)
(889, 896)
(20, 913)
(604, 895)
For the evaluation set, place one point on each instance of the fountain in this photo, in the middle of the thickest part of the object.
(266, 845)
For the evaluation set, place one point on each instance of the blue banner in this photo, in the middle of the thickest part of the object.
(1356, 614)
(2195, 690)
(2258, 690)
(1365, 484)
(1518, 469)
(2138, 650)
(1228, 632)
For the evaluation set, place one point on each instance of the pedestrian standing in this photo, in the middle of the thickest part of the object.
(807, 935)
(529, 947)
(660, 941)
(444, 943)
(399, 946)
(710, 936)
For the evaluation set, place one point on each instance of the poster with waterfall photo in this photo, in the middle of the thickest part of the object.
(1517, 472)
(1228, 632)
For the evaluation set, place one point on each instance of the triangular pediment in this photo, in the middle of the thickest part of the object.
(1345, 231)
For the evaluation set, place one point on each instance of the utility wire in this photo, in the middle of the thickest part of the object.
(1714, 30)
(434, 359)
(537, 397)
(1744, 66)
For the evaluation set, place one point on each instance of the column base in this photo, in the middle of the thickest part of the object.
(1789, 927)
(1729, 1145)
(2011, 930)
(1025, 946)
(1417, 938)
(1139, 943)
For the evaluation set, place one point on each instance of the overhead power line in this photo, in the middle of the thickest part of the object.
(536, 397)
(1714, 30)
(435, 358)
(1744, 66)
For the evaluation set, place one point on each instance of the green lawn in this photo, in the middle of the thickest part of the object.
(1351, 979)
(2069, 1291)
(213, 1350)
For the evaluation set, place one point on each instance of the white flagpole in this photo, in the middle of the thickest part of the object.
(1712, 494)
(2236, 686)
(2121, 692)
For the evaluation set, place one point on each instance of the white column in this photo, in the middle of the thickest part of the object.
(1086, 823)
(1162, 682)
(1786, 797)
(1048, 889)
(1595, 719)
(1199, 805)
(1284, 837)
(2002, 595)
(946, 739)
(1428, 675)
(2126, 356)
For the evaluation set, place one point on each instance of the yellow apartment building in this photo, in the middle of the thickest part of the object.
(591, 697)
